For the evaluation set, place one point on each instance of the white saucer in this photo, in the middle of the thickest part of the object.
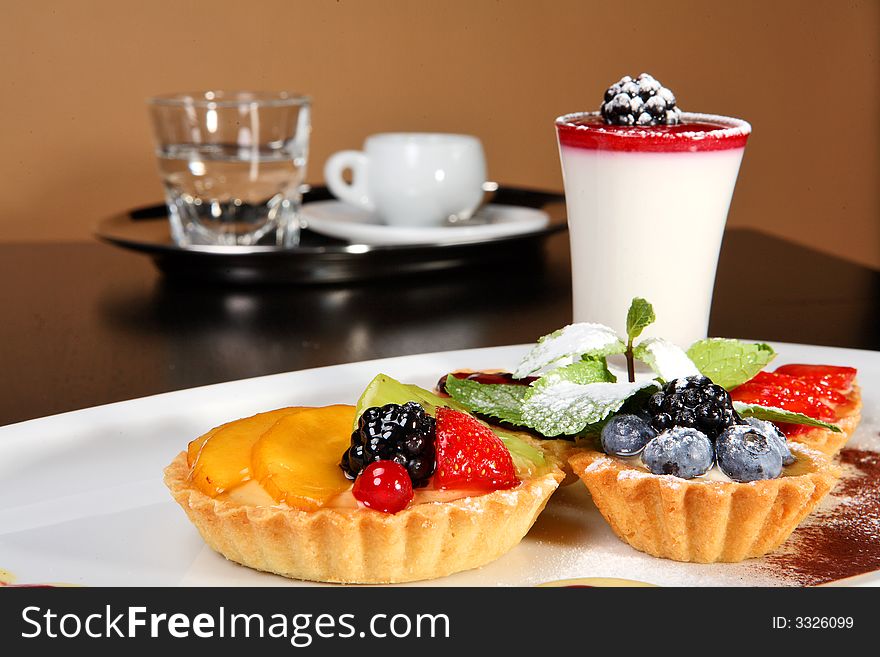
(347, 222)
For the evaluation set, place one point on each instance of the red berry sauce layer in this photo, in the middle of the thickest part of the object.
(696, 133)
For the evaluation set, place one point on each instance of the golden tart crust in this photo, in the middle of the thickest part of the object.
(700, 520)
(363, 546)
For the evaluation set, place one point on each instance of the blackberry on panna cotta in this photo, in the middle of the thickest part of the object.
(642, 102)
(693, 401)
(403, 434)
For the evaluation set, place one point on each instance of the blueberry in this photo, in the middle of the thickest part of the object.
(777, 438)
(626, 435)
(683, 452)
(746, 454)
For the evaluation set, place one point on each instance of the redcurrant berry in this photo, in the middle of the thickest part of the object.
(384, 486)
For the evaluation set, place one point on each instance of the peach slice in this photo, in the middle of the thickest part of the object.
(297, 459)
(221, 459)
(195, 446)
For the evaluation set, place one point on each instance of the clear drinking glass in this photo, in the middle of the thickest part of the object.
(232, 163)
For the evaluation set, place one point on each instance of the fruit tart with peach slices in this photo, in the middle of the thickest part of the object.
(679, 466)
(406, 486)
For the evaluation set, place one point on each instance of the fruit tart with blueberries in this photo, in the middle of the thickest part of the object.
(708, 458)
(405, 486)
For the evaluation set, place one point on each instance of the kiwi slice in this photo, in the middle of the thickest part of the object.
(384, 389)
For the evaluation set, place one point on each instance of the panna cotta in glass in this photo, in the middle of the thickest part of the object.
(647, 205)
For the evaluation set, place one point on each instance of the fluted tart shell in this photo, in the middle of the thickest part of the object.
(702, 520)
(358, 545)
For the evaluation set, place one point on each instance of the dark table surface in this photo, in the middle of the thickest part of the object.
(87, 324)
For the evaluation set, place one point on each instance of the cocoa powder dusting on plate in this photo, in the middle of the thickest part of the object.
(842, 539)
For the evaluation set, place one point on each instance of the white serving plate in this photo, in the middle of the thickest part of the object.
(82, 500)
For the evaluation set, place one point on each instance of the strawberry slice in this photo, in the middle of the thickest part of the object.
(469, 455)
(839, 379)
(791, 430)
(805, 387)
(818, 391)
(788, 393)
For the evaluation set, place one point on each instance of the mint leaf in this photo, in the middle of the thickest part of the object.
(563, 407)
(728, 362)
(668, 360)
(583, 339)
(639, 317)
(498, 400)
(773, 414)
(591, 370)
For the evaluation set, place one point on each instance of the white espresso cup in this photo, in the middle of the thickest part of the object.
(412, 178)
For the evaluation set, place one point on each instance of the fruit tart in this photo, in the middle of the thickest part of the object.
(714, 488)
(406, 486)
(678, 466)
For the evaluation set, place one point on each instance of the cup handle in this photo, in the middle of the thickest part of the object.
(356, 192)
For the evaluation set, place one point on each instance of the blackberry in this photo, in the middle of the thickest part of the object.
(693, 401)
(643, 101)
(403, 434)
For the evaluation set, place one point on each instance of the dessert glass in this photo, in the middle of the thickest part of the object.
(646, 213)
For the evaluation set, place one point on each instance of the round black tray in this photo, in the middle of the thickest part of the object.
(320, 259)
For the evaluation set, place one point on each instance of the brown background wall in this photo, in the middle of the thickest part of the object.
(74, 75)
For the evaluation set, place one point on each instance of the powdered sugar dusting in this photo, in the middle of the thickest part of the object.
(571, 539)
(668, 360)
(623, 475)
(599, 464)
(574, 339)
